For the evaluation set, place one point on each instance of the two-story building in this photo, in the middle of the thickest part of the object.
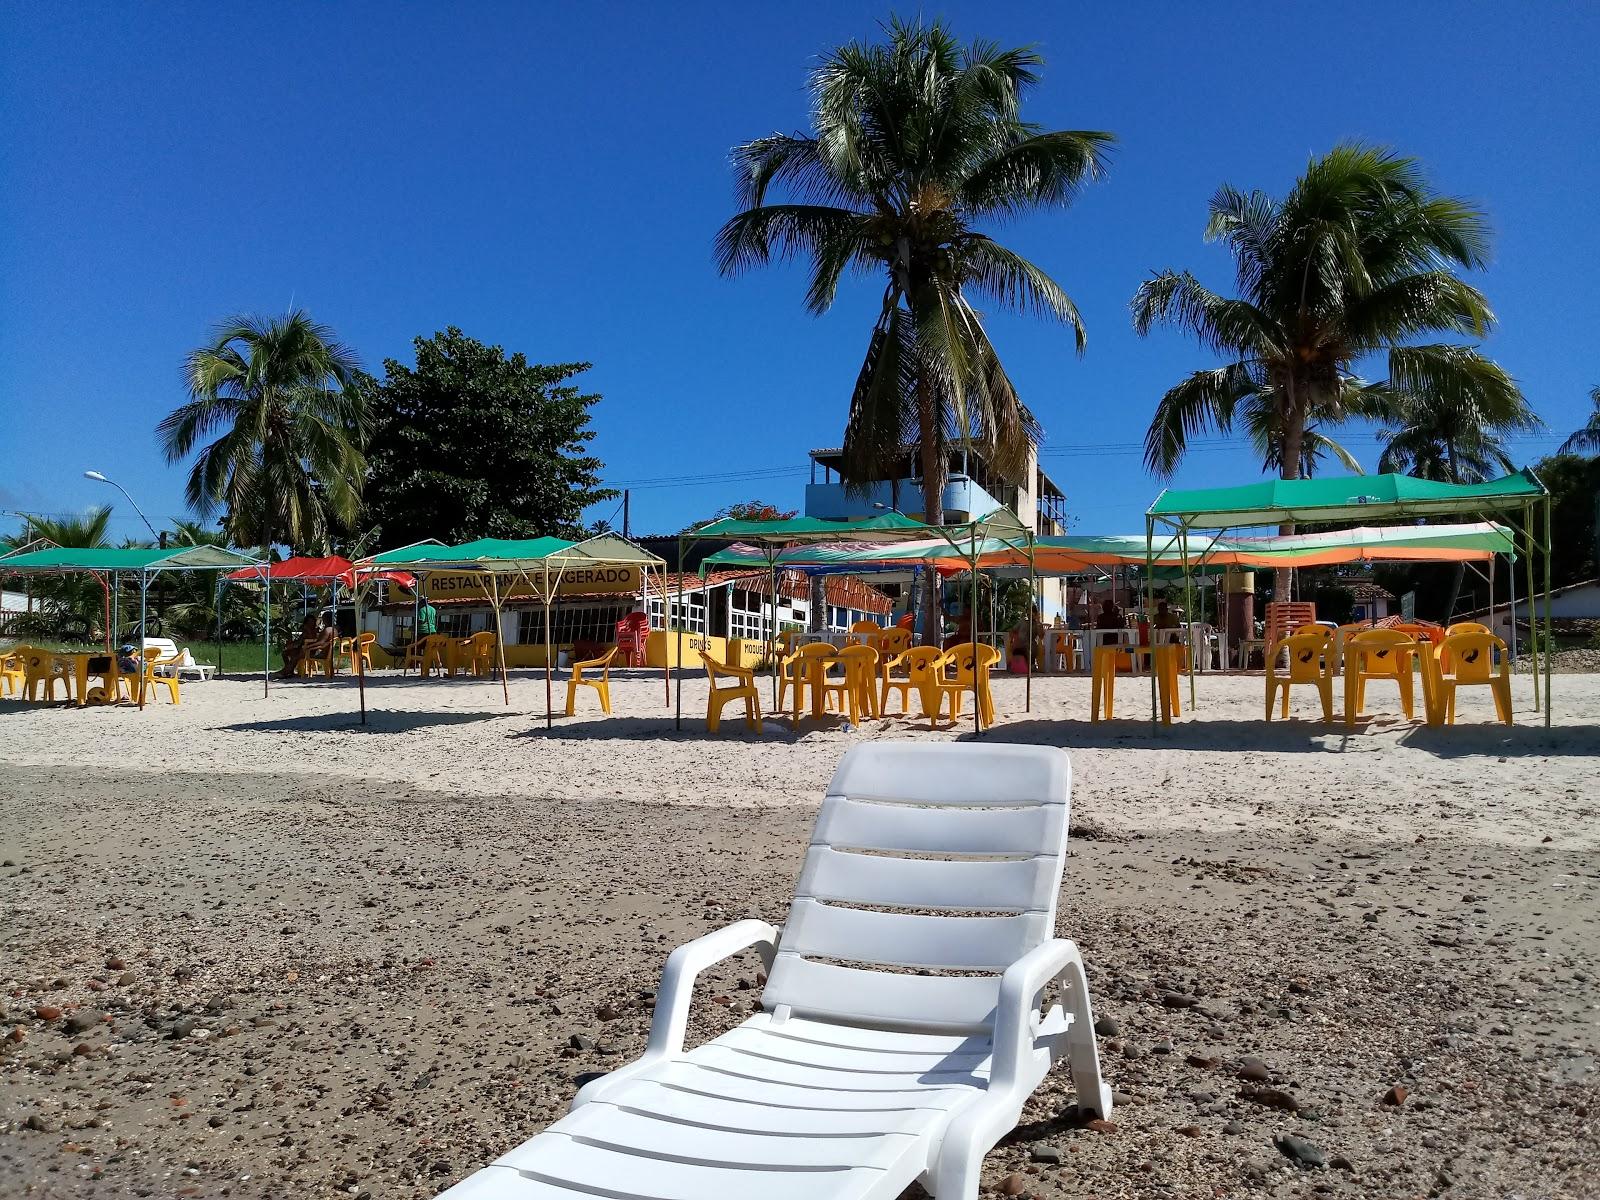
(972, 490)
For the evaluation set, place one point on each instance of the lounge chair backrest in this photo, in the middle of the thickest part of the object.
(167, 647)
(976, 834)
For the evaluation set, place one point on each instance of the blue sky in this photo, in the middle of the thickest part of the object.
(550, 178)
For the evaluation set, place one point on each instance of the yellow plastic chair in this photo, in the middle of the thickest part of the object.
(360, 647)
(326, 662)
(802, 672)
(920, 664)
(427, 655)
(862, 633)
(1472, 657)
(1063, 645)
(41, 670)
(1310, 661)
(152, 656)
(743, 688)
(13, 674)
(482, 646)
(1459, 627)
(602, 686)
(856, 691)
(1378, 654)
(970, 667)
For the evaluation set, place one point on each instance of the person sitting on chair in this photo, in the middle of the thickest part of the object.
(1166, 619)
(1109, 616)
(314, 642)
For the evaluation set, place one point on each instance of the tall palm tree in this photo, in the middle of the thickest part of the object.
(913, 142)
(1454, 440)
(1359, 259)
(1587, 439)
(288, 406)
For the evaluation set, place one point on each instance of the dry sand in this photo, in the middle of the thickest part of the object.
(295, 957)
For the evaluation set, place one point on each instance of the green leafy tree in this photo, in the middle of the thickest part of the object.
(1587, 439)
(472, 442)
(68, 605)
(913, 143)
(285, 402)
(755, 510)
(1358, 260)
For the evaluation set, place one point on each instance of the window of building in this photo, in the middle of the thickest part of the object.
(570, 623)
(691, 618)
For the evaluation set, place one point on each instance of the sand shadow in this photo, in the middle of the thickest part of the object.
(1293, 736)
(378, 721)
(645, 729)
(1481, 739)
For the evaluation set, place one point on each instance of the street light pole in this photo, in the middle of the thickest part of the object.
(99, 478)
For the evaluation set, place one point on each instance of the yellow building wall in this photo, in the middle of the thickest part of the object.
(661, 649)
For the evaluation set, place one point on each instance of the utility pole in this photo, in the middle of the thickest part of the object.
(627, 529)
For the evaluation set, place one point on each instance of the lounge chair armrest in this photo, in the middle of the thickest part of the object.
(1018, 1009)
(685, 964)
(983, 1123)
(671, 1020)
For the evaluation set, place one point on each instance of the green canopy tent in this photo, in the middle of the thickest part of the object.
(532, 560)
(1367, 499)
(106, 564)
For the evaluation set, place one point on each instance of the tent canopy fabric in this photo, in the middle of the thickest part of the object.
(886, 527)
(1352, 498)
(62, 559)
(513, 555)
(1074, 554)
(298, 569)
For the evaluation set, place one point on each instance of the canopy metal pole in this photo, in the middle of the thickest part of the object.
(1188, 607)
(1149, 574)
(1533, 623)
(220, 583)
(1549, 624)
(500, 637)
(677, 721)
(357, 664)
(548, 665)
(116, 603)
(772, 619)
(972, 544)
(1511, 577)
(1034, 620)
(266, 634)
(144, 588)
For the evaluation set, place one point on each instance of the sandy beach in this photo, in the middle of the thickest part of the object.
(250, 948)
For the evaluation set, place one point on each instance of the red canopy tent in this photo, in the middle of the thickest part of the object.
(321, 571)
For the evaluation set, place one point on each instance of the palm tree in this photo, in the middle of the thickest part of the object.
(912, 143)
(75, 602)
(288, 406)
(1453, 440)
(1587, 439)
(1358, 260)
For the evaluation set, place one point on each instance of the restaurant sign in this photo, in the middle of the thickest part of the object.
(574, 581)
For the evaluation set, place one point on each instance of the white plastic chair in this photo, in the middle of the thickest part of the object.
(854, 1082)
(175, 662)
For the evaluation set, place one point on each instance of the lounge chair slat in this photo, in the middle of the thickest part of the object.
(1001, 885)
(557, 1159)
(817, 930)
(770, 1044)
(715, 1056)
(916, 773)
(886, 1041)
(754, 1116)
(862, 825)
(633, 1132)
(755, 1089)
(818, 989)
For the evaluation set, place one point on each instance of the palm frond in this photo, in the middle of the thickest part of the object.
(1205, 400)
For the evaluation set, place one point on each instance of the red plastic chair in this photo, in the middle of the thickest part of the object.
(632, 632)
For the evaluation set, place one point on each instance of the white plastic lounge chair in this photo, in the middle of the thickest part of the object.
(853, 1082)
(176, 662)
